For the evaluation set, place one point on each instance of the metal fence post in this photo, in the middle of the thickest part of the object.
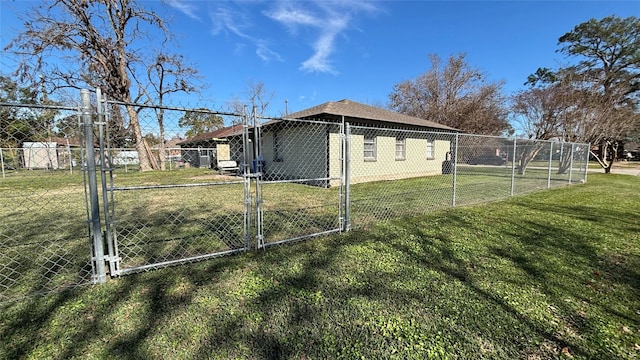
(341, 193)
(96, 228)
(347, 177)
(455, 171)
(571, 163)
(246, 173)
(105, 166)
(550, 164)
(513, 167)
(2, 161)
(257, 158)
(586, 164)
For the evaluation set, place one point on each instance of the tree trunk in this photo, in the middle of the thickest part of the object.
(146, 158)
(161, 145)
(565, 160)
(526, 156)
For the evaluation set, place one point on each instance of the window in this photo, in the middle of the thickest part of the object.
(431, 153)
(401, 148)
(369, 148)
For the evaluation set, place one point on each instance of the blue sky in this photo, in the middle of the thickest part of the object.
(310, 52)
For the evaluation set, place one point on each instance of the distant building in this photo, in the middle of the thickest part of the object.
(55, 153)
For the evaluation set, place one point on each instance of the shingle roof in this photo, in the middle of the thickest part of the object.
(353, 109)
(233, 130)
(64, 141)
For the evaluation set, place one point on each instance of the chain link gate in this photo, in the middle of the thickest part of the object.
(300, 187)
(171, 220)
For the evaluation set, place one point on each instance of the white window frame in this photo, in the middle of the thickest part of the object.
(401, 148)
(431, 149)
(371, 142)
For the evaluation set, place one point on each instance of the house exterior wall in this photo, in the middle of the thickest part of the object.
(295, 151)
(306, 151)
(386, 166)
(335, 158)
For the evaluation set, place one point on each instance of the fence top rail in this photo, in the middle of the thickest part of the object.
(521, 139)
(199, 110)
(40, 106)
(166, 148)
(172, 186)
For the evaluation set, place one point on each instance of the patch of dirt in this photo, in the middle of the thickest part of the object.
(215, 177)
(626, 168)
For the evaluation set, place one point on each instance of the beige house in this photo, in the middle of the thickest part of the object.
(206, 150)
(384, 145)
(307, 145)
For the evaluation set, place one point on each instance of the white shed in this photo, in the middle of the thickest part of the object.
(40, 155)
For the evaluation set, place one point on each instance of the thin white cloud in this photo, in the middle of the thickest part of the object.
(228, 21)
(292, 17)
(323, 47)
(184, 7)
(328, 18)
(266, 54)
(327, 21)
(225, 20)
(239, 49)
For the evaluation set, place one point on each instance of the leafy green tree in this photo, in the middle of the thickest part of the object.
(22, 123)
(609, 53)
(152, 139)
(200, 121)
(606, 82)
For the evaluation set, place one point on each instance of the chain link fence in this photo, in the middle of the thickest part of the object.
(300, 192)
(43, 227)
(224, 183)
(395, 172)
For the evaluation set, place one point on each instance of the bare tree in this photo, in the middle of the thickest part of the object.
(236, 106)
(259, 97)
(541, 112)
(256, 95)
(454, 94)
(167, 75)
(100, 43)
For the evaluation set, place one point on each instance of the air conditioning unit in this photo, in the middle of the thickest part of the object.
(205, 162)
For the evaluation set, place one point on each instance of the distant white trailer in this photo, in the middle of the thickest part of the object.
(125, 157)
(40, 155)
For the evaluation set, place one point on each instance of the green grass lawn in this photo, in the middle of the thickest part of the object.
(553, 274)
